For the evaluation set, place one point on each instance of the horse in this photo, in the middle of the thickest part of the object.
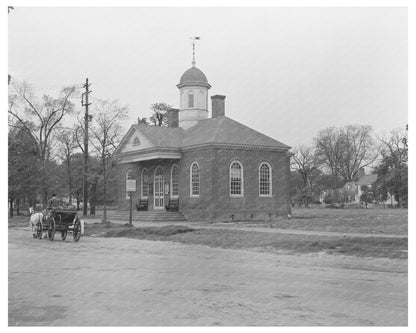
(36, 218)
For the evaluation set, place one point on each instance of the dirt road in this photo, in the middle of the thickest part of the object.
(117, 281)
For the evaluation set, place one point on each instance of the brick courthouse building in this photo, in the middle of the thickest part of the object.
(217, 168)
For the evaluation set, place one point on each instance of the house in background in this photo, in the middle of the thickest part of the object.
(354, 189)
(216, 168)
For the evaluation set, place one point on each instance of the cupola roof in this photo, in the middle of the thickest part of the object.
(193, 77)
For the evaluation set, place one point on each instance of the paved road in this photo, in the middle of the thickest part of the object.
(101, 281)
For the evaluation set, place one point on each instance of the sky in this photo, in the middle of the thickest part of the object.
(286, 72)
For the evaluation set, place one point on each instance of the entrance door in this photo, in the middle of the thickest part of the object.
(159, 196)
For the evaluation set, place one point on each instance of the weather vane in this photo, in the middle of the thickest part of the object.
(193, 49)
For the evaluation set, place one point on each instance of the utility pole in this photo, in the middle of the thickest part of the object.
(86, 121)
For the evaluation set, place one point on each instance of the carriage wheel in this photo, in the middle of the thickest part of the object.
(39, 231)
(64, 234)
(51, 229)
(76, 233)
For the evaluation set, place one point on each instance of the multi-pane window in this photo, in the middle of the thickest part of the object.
(236, 179)
(159, 195)
(265, 177)
(175, 181)
(195, 179)
(145, 183)
(191, 100)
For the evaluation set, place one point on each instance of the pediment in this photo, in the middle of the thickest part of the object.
(134, 141)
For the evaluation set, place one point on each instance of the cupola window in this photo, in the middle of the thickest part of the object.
(191, 100)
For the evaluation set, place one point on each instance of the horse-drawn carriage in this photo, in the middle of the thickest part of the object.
(63, 221)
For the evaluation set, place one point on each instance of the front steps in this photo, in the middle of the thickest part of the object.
(146, 216)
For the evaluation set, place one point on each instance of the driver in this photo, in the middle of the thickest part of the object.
(53, 202)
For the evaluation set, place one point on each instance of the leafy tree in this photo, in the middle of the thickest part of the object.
(366, 195)
(392, 171)
(77, 167)
(41, 118)
(23, 164)
(106, 135)
(66, 151)
(345, 150)
(142, 121)
(159, 116)
(333, 196)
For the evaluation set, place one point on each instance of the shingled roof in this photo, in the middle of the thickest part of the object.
(223, 130)
(215, 131)
(161, 136)
(367, 179)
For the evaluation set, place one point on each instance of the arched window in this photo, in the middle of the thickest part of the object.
(195, 180)
(191, 100)
(174, 181)
(145, 183)
(265, 180)
(236, 179)
(129, 175)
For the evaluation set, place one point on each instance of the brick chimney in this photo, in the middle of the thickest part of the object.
(173, 117)
(218, 106)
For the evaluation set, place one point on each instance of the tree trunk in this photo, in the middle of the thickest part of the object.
(17, 207)
(78, 201)
(93, 198)
(44, 185)
(105, 201)
(104, 191)
(69, 178)
(11, 207)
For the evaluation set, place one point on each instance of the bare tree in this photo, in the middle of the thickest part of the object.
(305, 163)
(346, 150)
(396, 147)
(106, 132)
(79, 131)
(41, 118)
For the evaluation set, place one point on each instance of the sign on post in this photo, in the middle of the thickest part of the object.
(130, 188)
(131, 185)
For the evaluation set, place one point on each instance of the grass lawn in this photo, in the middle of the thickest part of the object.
(263, 241)
(369, 221)
(374, 221)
